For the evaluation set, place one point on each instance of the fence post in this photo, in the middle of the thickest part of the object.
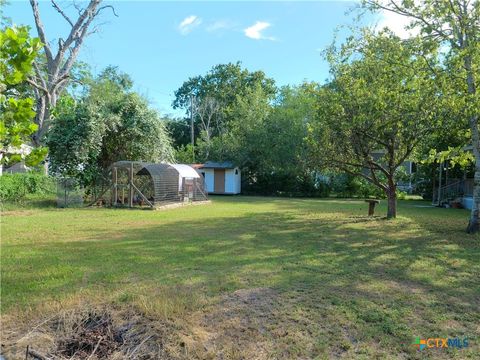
(114, 180)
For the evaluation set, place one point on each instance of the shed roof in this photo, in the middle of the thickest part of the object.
(218, 165)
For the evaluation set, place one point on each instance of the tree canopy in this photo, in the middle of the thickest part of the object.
(455, 26)
(215, 94)
(17, 53)
(377, 108)
(108, 123)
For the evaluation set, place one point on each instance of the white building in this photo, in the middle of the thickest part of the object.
(220, 178)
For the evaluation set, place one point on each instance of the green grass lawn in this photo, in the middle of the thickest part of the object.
(277, 278)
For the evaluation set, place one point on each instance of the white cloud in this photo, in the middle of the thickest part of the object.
(255, 31)
(188, 24)
(397, 23)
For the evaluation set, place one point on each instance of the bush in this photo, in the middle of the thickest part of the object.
(344, 185)
(16, 187)
(283, 184)
(347, 186)
(401, 195)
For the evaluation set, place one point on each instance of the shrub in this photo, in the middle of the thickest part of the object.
(16, 187)
(345, 185)
(283, 183)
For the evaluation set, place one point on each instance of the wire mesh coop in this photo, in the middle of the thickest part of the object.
(136, 183)
(69, 193)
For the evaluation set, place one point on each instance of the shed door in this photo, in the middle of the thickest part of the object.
(219, 181)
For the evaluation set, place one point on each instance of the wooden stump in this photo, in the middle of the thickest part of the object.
(371, 206)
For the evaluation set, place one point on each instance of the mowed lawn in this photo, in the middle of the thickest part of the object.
(255, 277)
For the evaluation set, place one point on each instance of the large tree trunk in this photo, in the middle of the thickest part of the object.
(474, 223)
(50, 79)
(391, 200)
(41, 118)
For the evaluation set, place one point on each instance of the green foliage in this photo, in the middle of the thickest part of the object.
(346, 186)
(379, 105)
(17, 187)
(224, 84)
(109, 123)
(179, 130)
(267, 141)
(240, 116)
(452, 26)
(17, 52)
(185, 154)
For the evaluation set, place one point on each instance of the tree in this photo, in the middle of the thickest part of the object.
(179, 130)
(109, 123)
(456, 25)
(216, 93)
(17, 53)
(52, 75)
(245, 139)
(266, 139)
(375, 111)
(282, 162)
(208, 111)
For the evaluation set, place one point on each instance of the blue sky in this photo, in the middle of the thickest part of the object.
(163, 43)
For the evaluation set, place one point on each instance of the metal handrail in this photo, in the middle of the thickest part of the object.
(447, 191)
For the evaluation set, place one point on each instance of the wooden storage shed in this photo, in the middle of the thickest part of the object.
(220, 177)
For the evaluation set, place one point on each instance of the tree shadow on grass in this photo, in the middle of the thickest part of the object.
(365, 278)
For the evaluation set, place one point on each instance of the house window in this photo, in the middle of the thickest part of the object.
(236, 171)
(203, 174)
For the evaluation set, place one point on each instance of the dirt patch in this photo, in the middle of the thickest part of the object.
(238, 327)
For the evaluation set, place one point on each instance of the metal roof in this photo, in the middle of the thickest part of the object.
(218, 165)
(185, 171)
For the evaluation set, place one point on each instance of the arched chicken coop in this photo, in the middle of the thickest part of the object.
(137, 183)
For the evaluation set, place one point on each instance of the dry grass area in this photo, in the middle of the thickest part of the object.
(241, 278)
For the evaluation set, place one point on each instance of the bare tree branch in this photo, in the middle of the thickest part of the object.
(56, 7)
(51, 81)
(106, 7)
(41, 30)
(38, 86)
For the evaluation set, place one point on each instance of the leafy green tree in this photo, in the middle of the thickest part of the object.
(185, 154)
(215, 94)
(266, 140)
(17, 53)
(53, 70)
(179, 130)
(378, 106)
(109, 123)
(454, 25)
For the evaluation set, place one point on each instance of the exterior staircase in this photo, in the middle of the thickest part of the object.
(448, 193)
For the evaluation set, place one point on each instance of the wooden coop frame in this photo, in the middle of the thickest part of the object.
(167, 184)
(132, 188)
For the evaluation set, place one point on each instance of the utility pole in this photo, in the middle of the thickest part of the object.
(192, 133)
